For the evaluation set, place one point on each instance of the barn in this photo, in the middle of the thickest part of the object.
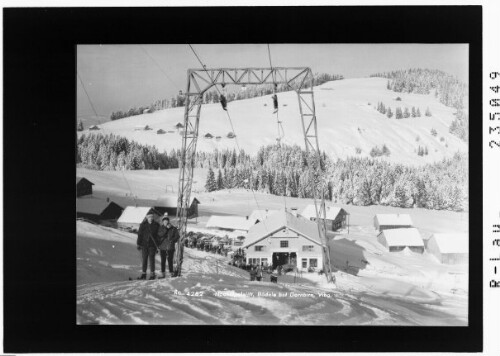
(97, 209)
(141, 128)
(83, 186)
(230, 223)
(160, 131)
(392, 221)
(93, 128)
(449, 248)
(209, 135)
(133, 216)
(179, 126)
(285, 238)
(168, 204)
(397, 239)
(336, 217)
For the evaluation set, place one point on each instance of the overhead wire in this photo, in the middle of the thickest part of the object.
(279, 125)
(97, 115)
(159, 67)
(231, 124)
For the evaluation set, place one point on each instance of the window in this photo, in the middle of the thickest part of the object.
(259, 248)
(308, 248)
(254, 261)
(263, 261)
(284, 243)
(313, 262)
(304, 263)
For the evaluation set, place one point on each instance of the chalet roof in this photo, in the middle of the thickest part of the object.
(230, 222)
(452, 242)
(179, 125)
(331, 212)
(279, 221)
(403, 237)
(170, 201)
(393, 219)
(78, 179)
(134, 214)
(91, 205)
(261, 214)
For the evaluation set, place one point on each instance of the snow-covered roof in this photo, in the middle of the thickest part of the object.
(452, 242)
(261, 214)
(91, 205)
(281, 220)
(393, 219)
(331, 212)
(170, 201)
(134, 214)
(230, 222)
(403, 237)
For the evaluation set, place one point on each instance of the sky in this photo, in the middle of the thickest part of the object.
(118, 77)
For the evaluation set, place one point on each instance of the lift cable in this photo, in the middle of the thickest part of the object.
(95, 113)
(159, 67)
(281, 134)
(232, 128)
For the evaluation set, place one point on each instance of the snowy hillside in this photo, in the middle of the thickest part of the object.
(393, 289)
(347, 122)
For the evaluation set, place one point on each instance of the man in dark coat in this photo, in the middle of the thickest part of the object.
(147, 242)
(168, 235)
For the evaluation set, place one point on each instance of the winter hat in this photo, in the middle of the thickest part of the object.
(149, 214)
(165, 218)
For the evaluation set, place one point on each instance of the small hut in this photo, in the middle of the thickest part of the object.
(83, 186)
(97, 209)
(179, 126)
(398, 239)
(208, 136)
(392, 221)
(336, 217)
(231, 135)
(93, 128)
(167, 203)
(449, 248)
(133, 216)
(160, 131)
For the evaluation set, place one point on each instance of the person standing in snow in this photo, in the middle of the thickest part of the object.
(253, 273)
(259, 273)
(168, 235)
(147, 242)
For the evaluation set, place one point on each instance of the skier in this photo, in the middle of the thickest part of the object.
(168, 235)
(223, 100)
(147, 243)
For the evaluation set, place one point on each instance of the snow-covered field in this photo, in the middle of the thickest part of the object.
(377, 287)
(346, 115)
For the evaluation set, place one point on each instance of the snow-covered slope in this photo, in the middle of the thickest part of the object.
(346, 116)
(395, 289)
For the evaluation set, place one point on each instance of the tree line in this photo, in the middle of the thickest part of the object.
(289, 171)
(213, 96)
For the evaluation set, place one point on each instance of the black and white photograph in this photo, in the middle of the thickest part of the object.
(272, 184)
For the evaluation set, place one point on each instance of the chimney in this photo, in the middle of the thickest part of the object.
(294, 211)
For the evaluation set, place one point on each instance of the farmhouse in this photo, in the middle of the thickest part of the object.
(97, 209)
(160, 131)
(230, 223)
(83, 186)
(392, 221)
(133, 216)
(284, 238)
(449, 248)
(209, 135)
(397, 239)
(168, 204)
(259, 215)
(179, 126)
(336, 218)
